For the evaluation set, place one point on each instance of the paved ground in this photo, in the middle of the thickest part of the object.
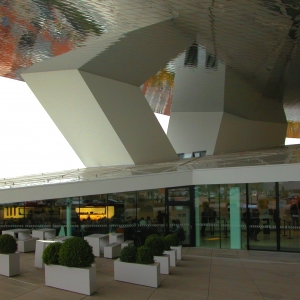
(209, 274)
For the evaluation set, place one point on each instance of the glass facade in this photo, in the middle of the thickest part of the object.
(256, 216)
(218, 210)
(136, 214)
(179, 216)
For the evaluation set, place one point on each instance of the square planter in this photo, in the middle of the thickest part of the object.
(10, 264)
(173, 255)
(148, 275)
(178, 253)
(164, 262)
(78, 280)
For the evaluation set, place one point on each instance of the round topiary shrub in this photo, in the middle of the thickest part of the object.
(171, 240)
(151, 236)
(144, 256)
(7, 244)
(76, 252)
(166, 244)
(128, 254)
(50, 254)
(156, 244)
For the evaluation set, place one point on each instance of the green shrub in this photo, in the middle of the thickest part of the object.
(7, 244)
(144, 256)
(171, 240)
(156, 244)
(50, 254)
(166, 244)
(76, 252)
(128, 254)
(151, 236)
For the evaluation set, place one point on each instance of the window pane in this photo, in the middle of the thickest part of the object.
(262, 225)
(289, 205)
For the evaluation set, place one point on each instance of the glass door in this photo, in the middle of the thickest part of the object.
(179, 212)
(288, 215)
(261, 218)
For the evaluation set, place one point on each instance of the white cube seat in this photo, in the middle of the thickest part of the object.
(27, 245)
(127, 243)
(116, 238)
(112, 250)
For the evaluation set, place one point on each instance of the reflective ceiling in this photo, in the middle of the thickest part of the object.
(259, 40)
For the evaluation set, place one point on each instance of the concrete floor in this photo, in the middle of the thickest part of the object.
(210, 274)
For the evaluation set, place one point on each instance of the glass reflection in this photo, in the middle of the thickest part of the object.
(150, 214)
(218, 215)
(179, 201)
(289, 206)
(261, 216)
(39, 29)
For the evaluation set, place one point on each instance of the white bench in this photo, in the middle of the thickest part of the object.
(127, 243)
(18, 233)
(116, 238)
(61, 239)
(27, 245)
(98, 242)
(112, 250)
(44, 233)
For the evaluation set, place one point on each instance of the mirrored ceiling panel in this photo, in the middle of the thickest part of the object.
(259, 40)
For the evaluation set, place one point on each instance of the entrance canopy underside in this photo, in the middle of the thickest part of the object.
(277, 156)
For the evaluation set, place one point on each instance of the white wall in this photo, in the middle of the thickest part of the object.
(197, 88)
(194, 131)
(253, 174)
(237, 134)
(265, 173)
(133, 183)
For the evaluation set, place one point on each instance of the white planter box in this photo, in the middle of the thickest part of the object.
(78, 280)
(173, 255)
(10, 264)
(164, 262)
(148, 275)
(178, 253)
